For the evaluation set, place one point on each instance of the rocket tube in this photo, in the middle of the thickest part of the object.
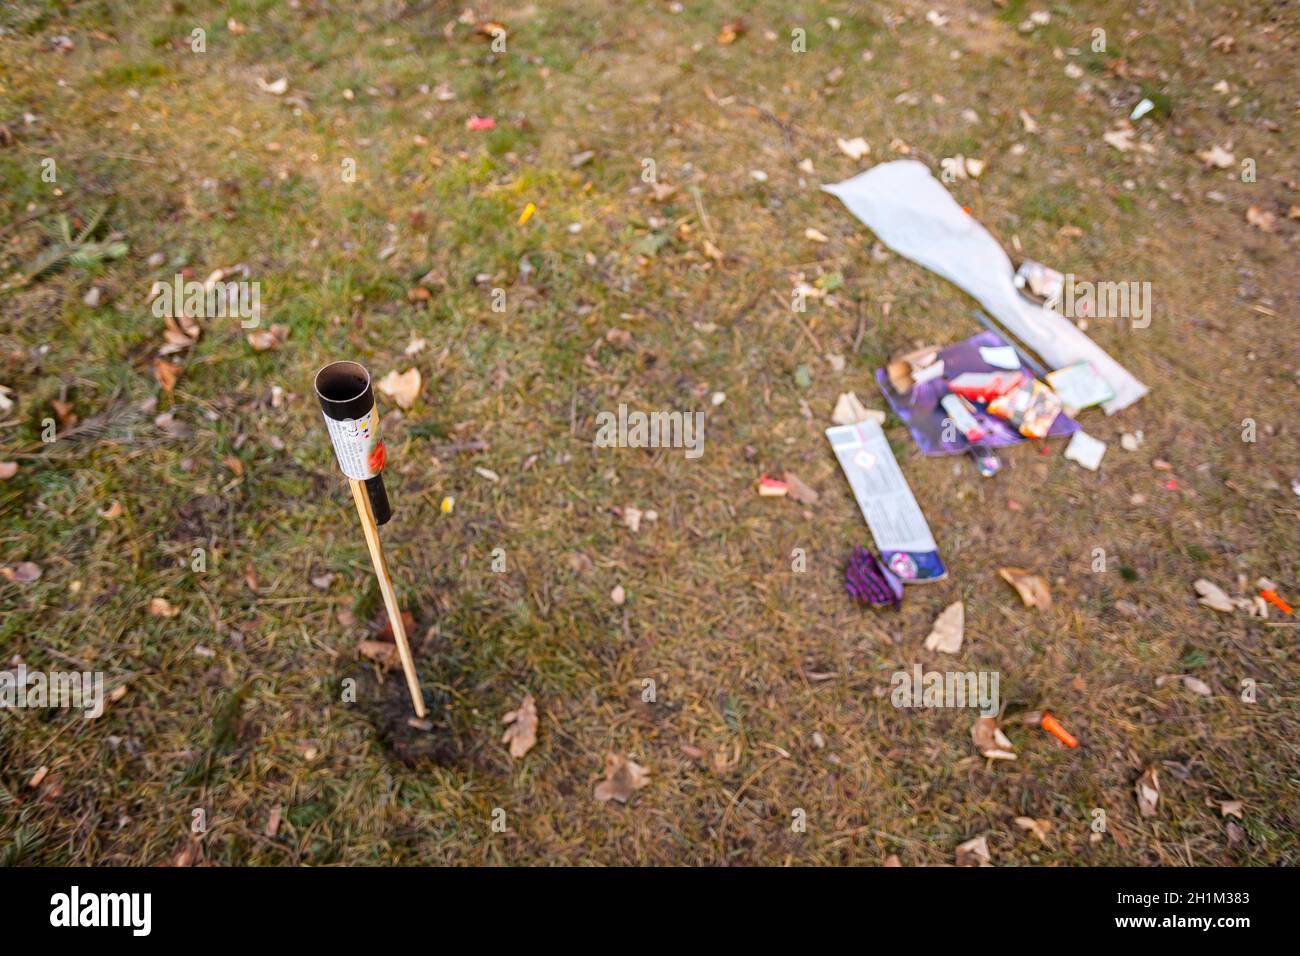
(348, 401)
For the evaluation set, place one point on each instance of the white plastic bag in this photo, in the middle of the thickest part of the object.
(912, 213)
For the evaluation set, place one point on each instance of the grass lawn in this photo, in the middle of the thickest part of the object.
(371, 215)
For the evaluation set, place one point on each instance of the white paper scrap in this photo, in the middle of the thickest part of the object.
(1085, 450)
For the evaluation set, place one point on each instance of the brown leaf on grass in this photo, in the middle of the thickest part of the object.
(990, 740)
(622, 778)
(1261, 218)
(382, 653)
(490, 29)
(797, 490)
(1148, 792)
(1197, 686)
(179, 333)
(946, 634)
(263, 340)
(1236, 835)
(1216, 156)
(67, 417)
(8, 469)
(854, 148)
(166, 374)
(1032, 588)
(186, 857)
(1039, 828)
(662, 192)
(161, 607)
(731, 31)
(112, 512)
(25, 572)
(521, 735)
(1227, 808)
(1213, 596)
(974, 852)
(386, 626)
(1120, 139)
(579, 563)
(403, 388)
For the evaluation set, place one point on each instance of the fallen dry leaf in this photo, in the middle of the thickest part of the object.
(521, 735)
(990, 741)
(1213, 597)
(731, 31)
(1148, 792)
(381, 652)
(799, 491)
(1120, 139)
(579, 563)
(849, 410)
(490, 29)
(403, 388)
(64, 410)
(1217, 157)
(385, 625)
(662, 192)
(1039, 828)
(622, 778)
(632, 518)
(161, 607)
(1261, 218)
(946, 634)
(166, 374)
(112, 512)
(1032, 588)
(854, 148)
(263, 340)
(25, 572)
(974, 852)
(1227, 808)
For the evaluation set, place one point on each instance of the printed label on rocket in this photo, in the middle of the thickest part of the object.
(357, 445)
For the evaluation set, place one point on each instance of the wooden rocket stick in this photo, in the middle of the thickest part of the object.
(371, 530)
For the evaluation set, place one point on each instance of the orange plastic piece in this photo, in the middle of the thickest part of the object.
(1271, 596)
(1053, 727)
